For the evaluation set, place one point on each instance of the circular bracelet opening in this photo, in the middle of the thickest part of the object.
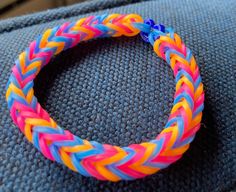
(106, 94)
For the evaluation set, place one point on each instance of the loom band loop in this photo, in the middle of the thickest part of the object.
(97, 19)
(197, 81)
(106, 31)
(169, 32)
(119, 19)
(62, 29)
(167, 49)
(107, 174)
(84, 34)
(185, 112)
(185, 81)
(194, 67)
(93, 31)
(166, 40)
(149, 30)
(66, 160)
(187, 97)
(83, 154)
(91, 169)
(176, 126)
(102, 18)
(198, 102)
(111, 17)
(71, 143)
(196, 121)
(79, 166)
(79, 22)
(198, 91)
(159, 27)
(177, 62)
(28, 132)
(120, 173)
(149, 22)
(139, 171)
(119, 30)
(131, 172)
(126, 28)
(119, 154)
(178, 43)
(183, 74)
(87, 20)
(152, 35)
(78, 148)
(42, 39)
(131, 18)
(197, 110)
(177, 150)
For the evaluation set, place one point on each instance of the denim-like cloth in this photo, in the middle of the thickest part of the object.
(117, 91)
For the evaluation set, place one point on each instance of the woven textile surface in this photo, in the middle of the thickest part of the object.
(117, 91)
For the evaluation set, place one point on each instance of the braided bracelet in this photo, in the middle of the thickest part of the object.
(90, 158)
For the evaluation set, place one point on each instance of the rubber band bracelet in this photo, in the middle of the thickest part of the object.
(90, 158)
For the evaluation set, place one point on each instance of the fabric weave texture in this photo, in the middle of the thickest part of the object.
(117, 91)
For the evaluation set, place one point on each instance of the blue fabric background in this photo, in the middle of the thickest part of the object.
(117, 91)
